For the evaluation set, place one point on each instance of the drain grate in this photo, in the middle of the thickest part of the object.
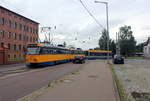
(93, 76)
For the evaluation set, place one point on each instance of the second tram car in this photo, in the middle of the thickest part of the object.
(97, 54)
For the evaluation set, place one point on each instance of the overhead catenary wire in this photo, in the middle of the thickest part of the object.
(101, 26)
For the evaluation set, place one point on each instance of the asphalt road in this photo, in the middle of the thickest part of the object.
(15, 86)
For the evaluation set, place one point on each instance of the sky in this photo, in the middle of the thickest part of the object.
(76, 27)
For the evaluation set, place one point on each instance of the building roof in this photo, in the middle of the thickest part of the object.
(18, 14)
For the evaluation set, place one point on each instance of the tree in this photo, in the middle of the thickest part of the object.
(64, 44)
(113, 47)
(127, 41)
(103, 42)
(139, 47)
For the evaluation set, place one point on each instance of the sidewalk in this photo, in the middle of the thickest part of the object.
(93, 83)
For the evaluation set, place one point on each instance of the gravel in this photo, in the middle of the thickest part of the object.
(135, 77)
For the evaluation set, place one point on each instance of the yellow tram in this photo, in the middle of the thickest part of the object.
(41, 55)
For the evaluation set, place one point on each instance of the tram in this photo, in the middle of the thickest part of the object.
(97, 54)
(43, 55)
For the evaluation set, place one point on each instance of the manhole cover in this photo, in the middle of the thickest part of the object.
(93, 76)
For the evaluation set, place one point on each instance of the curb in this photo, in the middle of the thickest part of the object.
(115, 85)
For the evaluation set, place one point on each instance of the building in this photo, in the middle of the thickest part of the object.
(146, 49)
(16, 31)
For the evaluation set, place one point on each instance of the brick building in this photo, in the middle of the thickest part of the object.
(16, 31)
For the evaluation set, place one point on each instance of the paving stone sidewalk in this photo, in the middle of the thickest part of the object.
(94, 82)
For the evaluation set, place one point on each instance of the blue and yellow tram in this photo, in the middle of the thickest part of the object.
(41, 55)
(97, 54)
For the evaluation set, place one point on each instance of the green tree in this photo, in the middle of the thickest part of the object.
(64, 44)
(103, 42)
(139, 47)
(127, 41)
(113, 47)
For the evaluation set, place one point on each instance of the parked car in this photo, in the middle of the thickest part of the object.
(118, 60)
(79, 59)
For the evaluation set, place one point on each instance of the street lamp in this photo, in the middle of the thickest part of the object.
(106, 3)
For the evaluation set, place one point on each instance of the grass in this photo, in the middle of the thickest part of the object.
(15, 59)
(135, 57)
(122, 93)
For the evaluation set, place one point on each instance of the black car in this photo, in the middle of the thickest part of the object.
(118, 60)
(79, 59)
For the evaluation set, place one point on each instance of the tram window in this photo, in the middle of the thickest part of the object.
(33, 50)
(51, 51)
(54, 51)
(44, 51)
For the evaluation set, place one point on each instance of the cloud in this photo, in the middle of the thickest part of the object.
(73, 21)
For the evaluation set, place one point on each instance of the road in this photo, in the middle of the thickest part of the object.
(11, 69)
(17, 85)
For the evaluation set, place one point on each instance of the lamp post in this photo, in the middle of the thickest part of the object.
(106, 3)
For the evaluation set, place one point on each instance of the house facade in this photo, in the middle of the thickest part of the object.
(146, 49)
(16, 32)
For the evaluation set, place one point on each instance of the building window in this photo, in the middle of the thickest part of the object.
(9, 35)
(3, 21)
(27, 29)
(33, 31)
(9, 47)
(3, 34)
(33, 39)
(24, 28)
(37, 31)
(24, 38)
(8, 56)
(27, 39)
(15, 48)
(15, 36)
(15, 25)
(20, 47)
(9, 23)
(30, 29)
(14, 56)
(20, 26)
(20, 56)
(30, 39)
(2, 44)
(20, 37)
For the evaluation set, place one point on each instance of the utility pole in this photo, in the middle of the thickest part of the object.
(106, 3)
(118, 44)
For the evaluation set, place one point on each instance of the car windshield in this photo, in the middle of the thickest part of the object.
(33, 50)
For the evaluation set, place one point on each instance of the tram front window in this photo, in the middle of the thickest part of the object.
(33, 50)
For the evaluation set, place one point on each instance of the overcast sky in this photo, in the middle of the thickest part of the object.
(73, 22)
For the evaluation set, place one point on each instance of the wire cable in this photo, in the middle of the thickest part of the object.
(91, 14)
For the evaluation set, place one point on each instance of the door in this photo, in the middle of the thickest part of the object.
(1, 57)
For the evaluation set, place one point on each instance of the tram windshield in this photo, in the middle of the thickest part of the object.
(33, 50)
